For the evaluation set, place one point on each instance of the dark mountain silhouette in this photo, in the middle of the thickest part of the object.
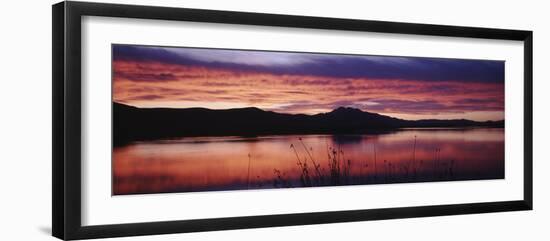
(132, 123)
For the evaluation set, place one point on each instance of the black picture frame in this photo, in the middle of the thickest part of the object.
(66, 157)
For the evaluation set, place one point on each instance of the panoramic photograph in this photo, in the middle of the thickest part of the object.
(204, 119)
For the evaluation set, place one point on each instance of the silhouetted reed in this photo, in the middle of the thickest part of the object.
(414, 158)
(339, 168)
(248, 175)
(375, 167)
(305, 180)
(280, 180)
(315, 165)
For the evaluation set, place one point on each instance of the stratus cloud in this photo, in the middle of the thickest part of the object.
(201, 86)
(327, 65)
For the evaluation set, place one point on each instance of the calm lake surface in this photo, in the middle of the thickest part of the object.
(235, 163)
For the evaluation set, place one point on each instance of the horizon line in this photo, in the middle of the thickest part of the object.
(253, 107)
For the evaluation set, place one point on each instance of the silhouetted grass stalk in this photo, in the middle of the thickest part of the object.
(248, 175)
(339, 168)
(315, 165)
(414, 157)
(375, 167)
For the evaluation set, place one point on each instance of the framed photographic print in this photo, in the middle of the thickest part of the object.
(171, 120)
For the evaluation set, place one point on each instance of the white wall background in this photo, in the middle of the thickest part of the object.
(25, 122)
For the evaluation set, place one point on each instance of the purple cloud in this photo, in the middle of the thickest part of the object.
(329, 65)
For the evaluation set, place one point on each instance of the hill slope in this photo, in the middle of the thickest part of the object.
(132, 123)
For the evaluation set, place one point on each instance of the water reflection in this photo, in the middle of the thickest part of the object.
(232, 163)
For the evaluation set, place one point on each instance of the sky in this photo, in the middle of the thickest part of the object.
(308, 83)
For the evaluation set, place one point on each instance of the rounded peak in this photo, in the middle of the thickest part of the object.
(343, 109)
